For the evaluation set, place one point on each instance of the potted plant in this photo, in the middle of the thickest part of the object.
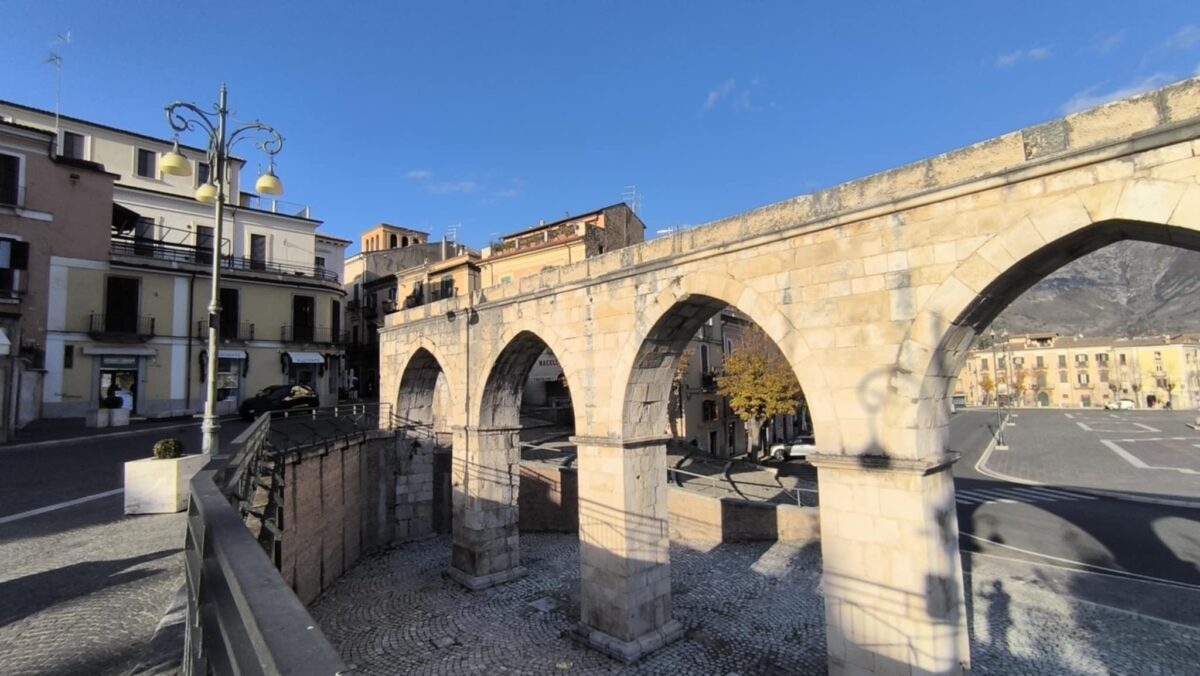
(159, 484)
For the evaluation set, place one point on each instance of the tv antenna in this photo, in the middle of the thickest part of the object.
(452, 232)
(55, 58)
(631, 197)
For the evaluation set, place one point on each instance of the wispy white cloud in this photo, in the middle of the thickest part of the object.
(740, 98)
(1187, 37)
(1105, 44)
(451, 187)
(719, 92)
(419, 174)
(1096, 94)
(1031, 54)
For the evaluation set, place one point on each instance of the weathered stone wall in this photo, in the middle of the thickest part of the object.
(550, 502)
(338, 503)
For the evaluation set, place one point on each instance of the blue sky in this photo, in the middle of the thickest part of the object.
(492, 115)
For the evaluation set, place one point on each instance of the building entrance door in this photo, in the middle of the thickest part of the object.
(120, 382)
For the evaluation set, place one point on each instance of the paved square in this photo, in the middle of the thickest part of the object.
(748, 608)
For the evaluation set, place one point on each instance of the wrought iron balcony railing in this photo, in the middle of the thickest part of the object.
(120, 327)
(290, 333)
(130, 245)
(240, 331)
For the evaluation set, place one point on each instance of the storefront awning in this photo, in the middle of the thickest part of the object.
(120, 351)
(231, 354)
(306, 357)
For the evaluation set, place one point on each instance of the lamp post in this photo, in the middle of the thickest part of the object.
(187, 117)
(999, 418)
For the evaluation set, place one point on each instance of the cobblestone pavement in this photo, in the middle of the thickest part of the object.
(395, 614)
(82, 589)
(751, 608)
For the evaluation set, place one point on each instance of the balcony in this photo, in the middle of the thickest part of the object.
(322, 335)
(276, 206)
(120, 328)
(228, 332)
(708, 382)
(182, 246)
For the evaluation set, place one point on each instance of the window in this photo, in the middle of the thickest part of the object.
(1083, 377)
(1062, 362)
(10, 179)
(708, 410)
(983, 364)
(1040, 362)
(1081, 360)
(147, 163)
(1041, 381)
(303, 317)
(14, 257)
(703, 359)
(258, 252)
(1121, 359)
(68, 356)
(319, 262)
(203, 173)
(728, 346)
(72, 145)
(1062, 376)
(121, 303)
(1018, 361)
(1101, 358)
(335, 313)
(506, 279)
(1161, 383)
(230, 313)
(204, 244)
(1000, 363)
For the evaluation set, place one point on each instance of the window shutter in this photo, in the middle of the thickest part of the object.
(20, 256)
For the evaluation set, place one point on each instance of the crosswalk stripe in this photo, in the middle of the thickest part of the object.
(1065, 494)
(969, 499)
(1038, 495)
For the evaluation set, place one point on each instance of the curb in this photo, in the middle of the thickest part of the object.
(981, 467)
(163, 655)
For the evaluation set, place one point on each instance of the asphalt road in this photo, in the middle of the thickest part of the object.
(1140, 557)
(40, 476)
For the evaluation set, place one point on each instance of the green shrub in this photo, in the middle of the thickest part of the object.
(165, 449)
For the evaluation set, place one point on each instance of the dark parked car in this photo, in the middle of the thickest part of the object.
(277, 398)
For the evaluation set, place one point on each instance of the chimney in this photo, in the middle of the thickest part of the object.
(443, 247)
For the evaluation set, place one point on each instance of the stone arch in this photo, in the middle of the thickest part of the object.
(518, 347)
(644, 366)
(1004, 267)
(423, 382)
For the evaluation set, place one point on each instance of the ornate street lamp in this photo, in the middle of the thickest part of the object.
(188, 117)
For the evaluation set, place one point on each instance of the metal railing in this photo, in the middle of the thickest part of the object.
(277, 206)
(127, 326)
(324, 335)
(242, 617)
(175, 252)
(233, 331)
(719, 485)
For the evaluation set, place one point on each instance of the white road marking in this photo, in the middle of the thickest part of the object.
(1137, 462)
(1085, 428)
(61, 505)
(1147, 427)
(1059, 494)
(1072, 417)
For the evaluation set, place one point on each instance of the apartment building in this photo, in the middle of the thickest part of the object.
(1080, 372)
(131, 318)
(50, 206)
(371, 285)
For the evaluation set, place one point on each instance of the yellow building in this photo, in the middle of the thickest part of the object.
(131, 321)
(1077, 372)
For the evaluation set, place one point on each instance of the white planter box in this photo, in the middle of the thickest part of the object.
(154, 486)
(118, 417)
(96, 418)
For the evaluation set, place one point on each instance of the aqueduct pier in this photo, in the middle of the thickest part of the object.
(873, 289)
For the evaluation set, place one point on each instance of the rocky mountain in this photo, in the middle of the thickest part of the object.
(1125, 289)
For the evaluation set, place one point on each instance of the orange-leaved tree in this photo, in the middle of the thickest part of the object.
(759, 383)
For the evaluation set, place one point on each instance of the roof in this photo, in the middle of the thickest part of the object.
(4, 102)
(389, 226)
(560, 221)
(331, 238)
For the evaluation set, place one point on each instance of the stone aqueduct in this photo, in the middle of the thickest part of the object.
(873, 289)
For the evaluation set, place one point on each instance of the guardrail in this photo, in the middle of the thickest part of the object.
(242, 617)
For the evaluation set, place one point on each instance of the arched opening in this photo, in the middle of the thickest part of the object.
(1053, 383)
(423, 405)
(392, 239)
(524, 409)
